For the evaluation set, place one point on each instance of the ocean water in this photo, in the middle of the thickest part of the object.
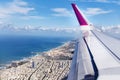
(19, 47)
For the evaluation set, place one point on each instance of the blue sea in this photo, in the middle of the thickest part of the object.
(18, 47)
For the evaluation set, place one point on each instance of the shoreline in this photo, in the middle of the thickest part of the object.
(59, 57)
(3, 66)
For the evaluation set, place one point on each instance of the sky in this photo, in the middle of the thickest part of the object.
(58, 13)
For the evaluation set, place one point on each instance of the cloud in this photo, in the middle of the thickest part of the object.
(95, 11)
(91, 0)
(15, 7)
(10, 27)
(1, 22)
(32, 17)
(116, 2)
(61, 12)
(102, 1)
(108, 1)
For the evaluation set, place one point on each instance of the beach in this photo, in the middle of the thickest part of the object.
(51, 65)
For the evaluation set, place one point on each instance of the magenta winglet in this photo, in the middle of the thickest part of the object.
(79, 16)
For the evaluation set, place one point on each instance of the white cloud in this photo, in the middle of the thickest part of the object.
(109, 1)
(32, 17)
(20, 2)
(102, 1)
(94, 0)
(61, 12)
(1, 22)
(14, 7)
(95, 11)
(116, 2)
(10, 27)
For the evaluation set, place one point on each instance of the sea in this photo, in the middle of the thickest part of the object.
(14, 48)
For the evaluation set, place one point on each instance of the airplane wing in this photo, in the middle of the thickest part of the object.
(97, 55)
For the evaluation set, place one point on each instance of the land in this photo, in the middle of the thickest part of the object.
(51, 65)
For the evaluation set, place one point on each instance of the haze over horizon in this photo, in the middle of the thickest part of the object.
(57, 15)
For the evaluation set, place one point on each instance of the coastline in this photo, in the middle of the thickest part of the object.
(51, 65)
(3, 66)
